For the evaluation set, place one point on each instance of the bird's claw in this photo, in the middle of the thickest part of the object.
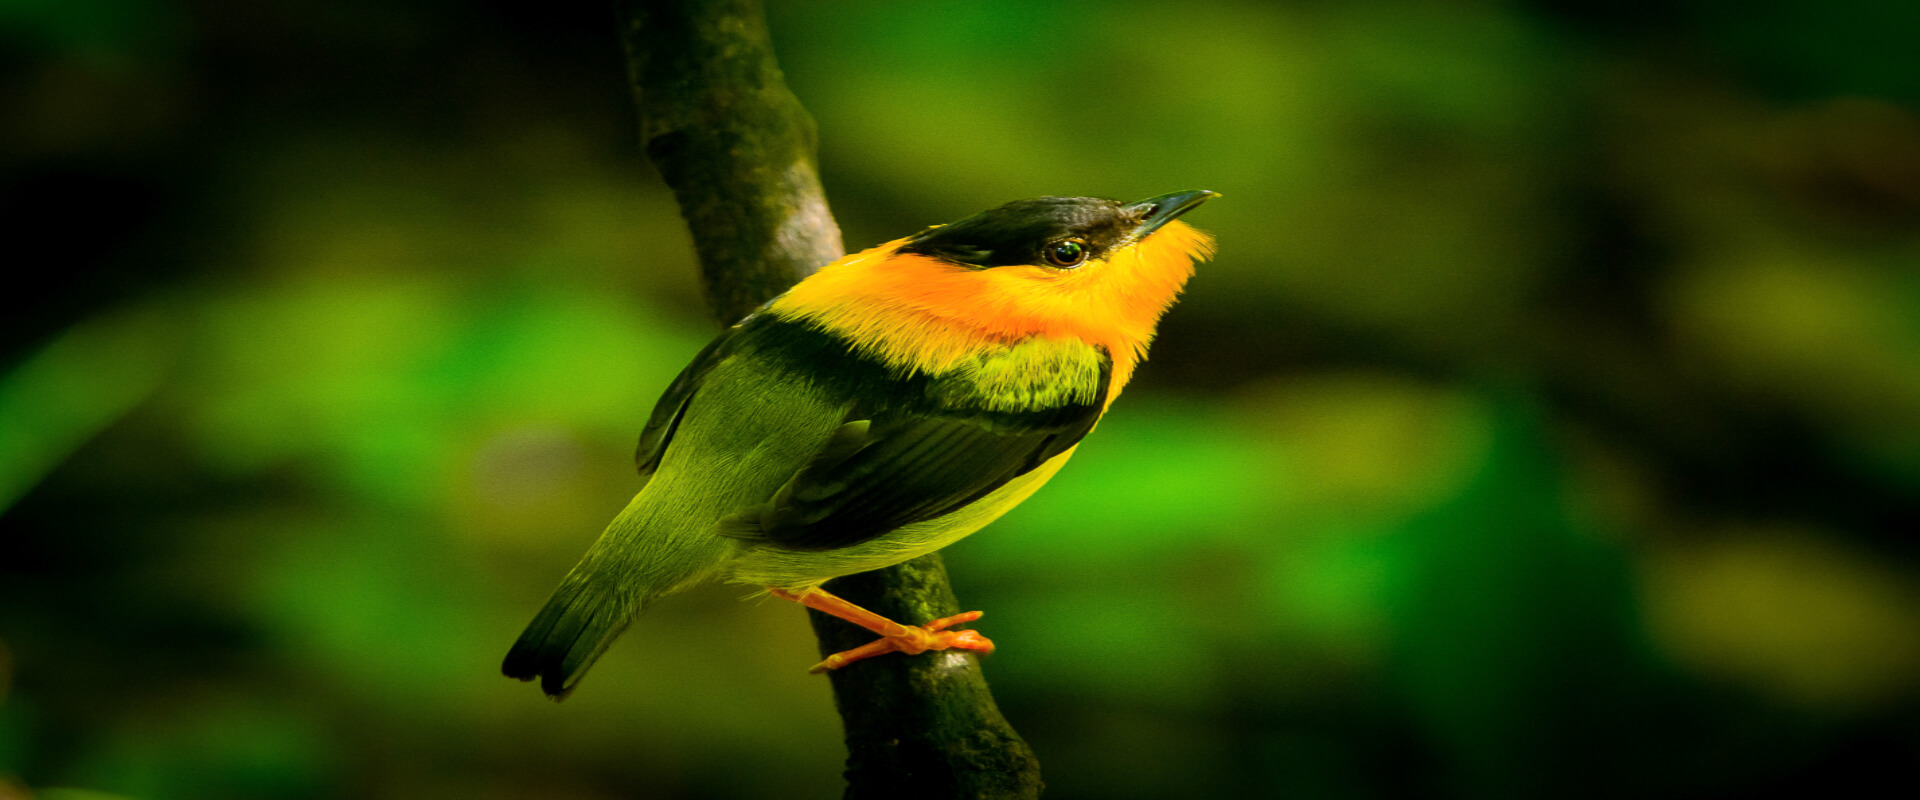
(914, 640)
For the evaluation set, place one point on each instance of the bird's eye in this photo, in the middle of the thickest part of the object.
(1066, 253)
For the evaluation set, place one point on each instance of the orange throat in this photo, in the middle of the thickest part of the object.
(923, 314)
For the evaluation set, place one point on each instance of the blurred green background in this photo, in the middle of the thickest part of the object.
(1548, 425)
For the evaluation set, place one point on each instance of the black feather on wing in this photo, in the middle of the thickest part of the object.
(912, 463)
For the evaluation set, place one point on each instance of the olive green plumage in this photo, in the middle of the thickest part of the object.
(782, 455)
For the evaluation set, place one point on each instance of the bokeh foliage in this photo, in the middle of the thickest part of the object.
(1549, 424)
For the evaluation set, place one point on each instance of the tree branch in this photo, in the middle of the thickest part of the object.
(734, 145)
(738, 151)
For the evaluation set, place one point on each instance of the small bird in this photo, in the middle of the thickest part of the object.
(888, 405)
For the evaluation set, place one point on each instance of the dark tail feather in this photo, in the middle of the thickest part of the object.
(569, 634)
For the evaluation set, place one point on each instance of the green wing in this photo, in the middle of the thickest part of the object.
(914, 460)
(908, 449)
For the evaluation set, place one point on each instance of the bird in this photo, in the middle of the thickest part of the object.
(887, 405)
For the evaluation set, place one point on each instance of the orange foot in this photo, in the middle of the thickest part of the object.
(908, 639)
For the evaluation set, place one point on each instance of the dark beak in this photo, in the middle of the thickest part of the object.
(1157, 211)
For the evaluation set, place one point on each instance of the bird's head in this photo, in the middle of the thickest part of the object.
(1099, 270)
(1052, 233)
